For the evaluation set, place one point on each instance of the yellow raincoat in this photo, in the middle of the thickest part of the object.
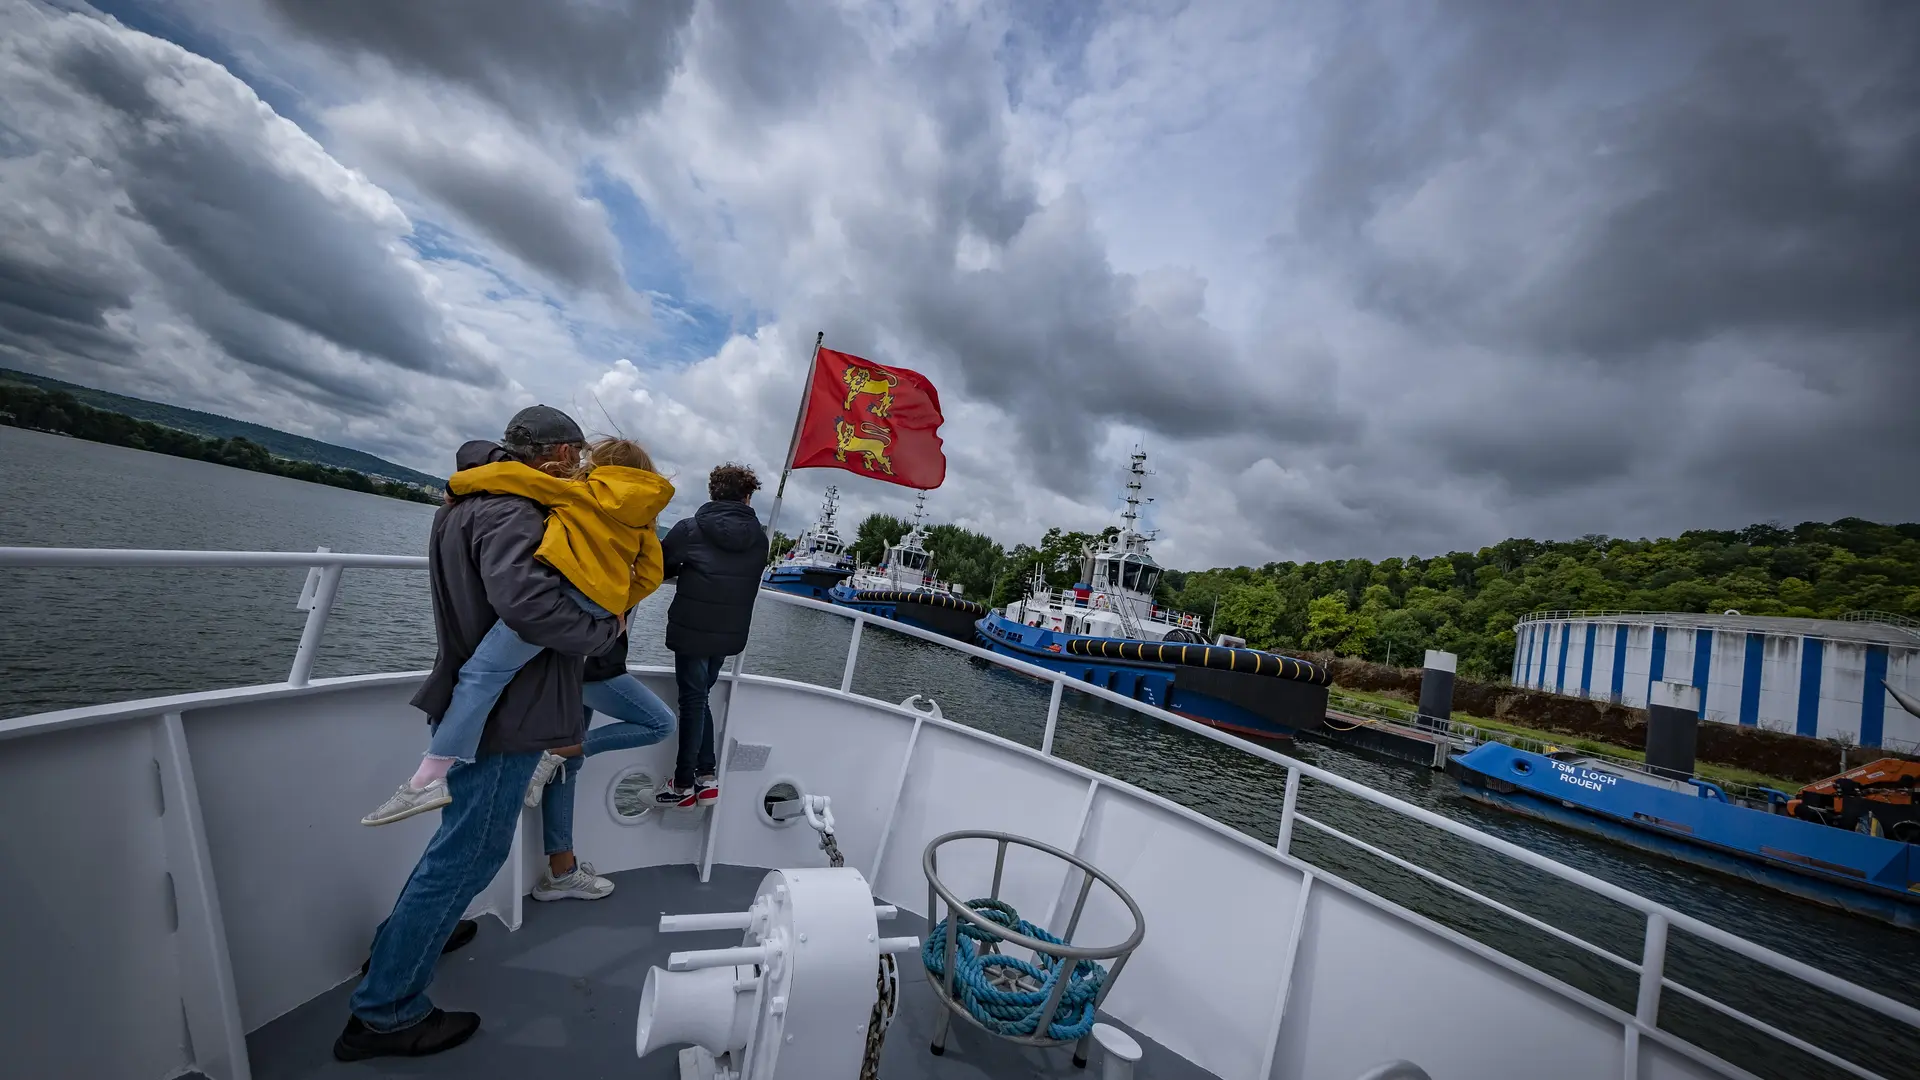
(600, 533)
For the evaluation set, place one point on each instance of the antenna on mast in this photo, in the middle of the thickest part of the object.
(1136, 470)
(1132, 538)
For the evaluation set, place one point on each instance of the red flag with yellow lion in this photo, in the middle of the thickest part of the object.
(881, 422)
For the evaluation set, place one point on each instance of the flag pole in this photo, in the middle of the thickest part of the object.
(793, 445)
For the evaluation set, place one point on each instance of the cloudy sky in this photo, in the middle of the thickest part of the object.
(1363, 279)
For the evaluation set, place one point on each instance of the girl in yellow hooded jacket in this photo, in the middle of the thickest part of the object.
(600, 536)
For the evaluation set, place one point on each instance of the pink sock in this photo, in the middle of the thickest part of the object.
(431, 769)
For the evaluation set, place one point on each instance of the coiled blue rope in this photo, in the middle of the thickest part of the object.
(1013, 1012)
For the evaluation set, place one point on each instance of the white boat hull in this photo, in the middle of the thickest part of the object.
(1267, 969)
(179, 872)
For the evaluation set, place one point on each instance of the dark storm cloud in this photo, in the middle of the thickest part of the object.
(274, 349)
(576, 249)
(274, 243)
(60, 309)
(164, 230)
(1695, 240)
(553, 231)
(776, 55)
(556, 68)
(1061, 342)
(1761, 210)
(1740, 187)
(1044, 327)
(596, 61)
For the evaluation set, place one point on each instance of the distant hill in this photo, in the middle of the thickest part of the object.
(209, 425)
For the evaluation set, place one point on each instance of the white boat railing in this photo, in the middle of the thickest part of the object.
(318, 595)
(1067, 600)
(1857, 628)
(1884, 618)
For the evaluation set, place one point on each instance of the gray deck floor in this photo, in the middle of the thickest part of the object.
(561, 997)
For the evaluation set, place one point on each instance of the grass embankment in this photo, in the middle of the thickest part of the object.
(1719, 774)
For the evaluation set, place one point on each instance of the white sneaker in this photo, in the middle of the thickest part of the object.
(407, 802)
(578, 884)
(543, 774)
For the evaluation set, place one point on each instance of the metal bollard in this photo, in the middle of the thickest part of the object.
(1120, 1052)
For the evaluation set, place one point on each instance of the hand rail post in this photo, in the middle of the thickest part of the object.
(1653, 966)
(1053, 714)
(1287, 811)
(853, 654)
(319, 605)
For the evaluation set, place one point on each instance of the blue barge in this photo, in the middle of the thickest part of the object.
(1694, 821)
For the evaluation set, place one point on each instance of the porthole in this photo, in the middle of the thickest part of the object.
(630, 795)
(1522, 766)
(779, 791)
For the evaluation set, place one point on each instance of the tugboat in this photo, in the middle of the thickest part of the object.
(904, 589)
(1108, 631)
(818, 561)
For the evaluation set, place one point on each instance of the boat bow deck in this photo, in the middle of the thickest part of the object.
(558, 997)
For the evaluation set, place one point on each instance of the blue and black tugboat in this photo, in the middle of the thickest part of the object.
(904, 589)
(1108, 631)
(818, 561)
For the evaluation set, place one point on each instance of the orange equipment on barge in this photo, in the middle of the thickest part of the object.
(1878, 798)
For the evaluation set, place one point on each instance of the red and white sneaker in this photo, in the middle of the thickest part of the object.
(673, 798)
(706, 790)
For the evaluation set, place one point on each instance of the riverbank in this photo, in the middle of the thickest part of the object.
(1718, 773)
(57, 412)
(1786, 759)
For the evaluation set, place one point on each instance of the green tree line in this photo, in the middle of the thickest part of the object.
(1467, 602)
(60, 412)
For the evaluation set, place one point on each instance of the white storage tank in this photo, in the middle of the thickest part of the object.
(1822, 677)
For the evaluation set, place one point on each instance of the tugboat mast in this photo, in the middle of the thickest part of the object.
(1131, 538)
(1135, 472)
(827, 510)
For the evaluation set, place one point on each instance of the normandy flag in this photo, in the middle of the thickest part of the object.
(880, 422)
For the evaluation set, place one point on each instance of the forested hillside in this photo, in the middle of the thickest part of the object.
(221, 428)
(1467, 602)
(61, 413)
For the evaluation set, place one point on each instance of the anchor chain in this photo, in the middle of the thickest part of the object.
(886, 980)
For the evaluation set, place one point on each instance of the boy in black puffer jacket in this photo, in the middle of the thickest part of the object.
(716, 556)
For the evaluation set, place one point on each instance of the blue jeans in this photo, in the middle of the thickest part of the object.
(469, 848)
(695, 676)
(644, 720)
(495, 661)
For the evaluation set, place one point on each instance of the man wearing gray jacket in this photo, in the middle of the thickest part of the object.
(480, 560)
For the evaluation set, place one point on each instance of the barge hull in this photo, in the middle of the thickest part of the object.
(1430, 749)
(1887, 909)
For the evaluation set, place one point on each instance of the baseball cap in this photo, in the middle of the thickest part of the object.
(537, 426)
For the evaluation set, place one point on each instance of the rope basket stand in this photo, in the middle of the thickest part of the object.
(1051, 1000)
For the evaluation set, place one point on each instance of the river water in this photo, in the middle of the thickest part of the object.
(76, 637)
